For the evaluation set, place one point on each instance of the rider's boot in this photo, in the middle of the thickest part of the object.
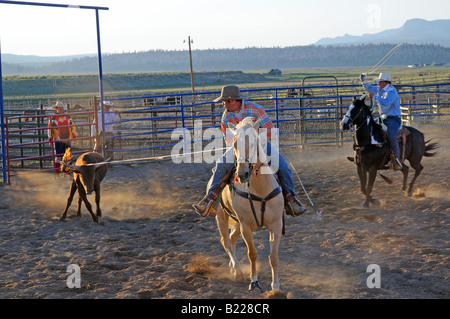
(293, 206)
(205, 206)
(396, 164)
(351, 158)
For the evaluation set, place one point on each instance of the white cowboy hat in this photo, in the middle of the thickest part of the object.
(383, 77)
(60, 105)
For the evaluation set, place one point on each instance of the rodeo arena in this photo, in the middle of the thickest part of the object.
(149, 243)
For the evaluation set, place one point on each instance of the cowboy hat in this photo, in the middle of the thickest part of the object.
(383, 77)
(60, 105)
(229, 92)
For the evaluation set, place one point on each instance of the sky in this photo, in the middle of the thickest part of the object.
(142, 25)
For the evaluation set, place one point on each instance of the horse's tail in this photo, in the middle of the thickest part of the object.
(430, 147)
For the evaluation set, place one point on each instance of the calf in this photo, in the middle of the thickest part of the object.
(88, 171)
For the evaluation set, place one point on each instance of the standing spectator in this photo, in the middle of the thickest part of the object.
(60, 132)
(110, 117)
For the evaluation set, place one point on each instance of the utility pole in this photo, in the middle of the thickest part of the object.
(192, 71)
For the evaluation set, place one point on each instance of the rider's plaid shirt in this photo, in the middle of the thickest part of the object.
(248, 109)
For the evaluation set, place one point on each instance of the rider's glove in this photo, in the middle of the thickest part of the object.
(363, 77)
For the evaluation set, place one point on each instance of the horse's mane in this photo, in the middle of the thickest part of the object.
(378, 132)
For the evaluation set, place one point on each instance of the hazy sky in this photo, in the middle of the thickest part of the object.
(138, 25)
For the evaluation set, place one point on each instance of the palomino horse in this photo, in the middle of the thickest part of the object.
(373, 150)
(254, 200)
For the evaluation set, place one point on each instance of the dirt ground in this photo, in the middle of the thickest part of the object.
(150, 243)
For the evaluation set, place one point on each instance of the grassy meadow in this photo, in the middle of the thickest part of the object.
(125, 84)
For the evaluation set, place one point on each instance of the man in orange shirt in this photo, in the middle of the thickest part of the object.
(60, 131)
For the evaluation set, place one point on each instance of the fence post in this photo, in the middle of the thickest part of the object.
(2, 125)
(302, 123)
(276, 109)
(97, 136)
(341, 115)
(438, 100)
(6, 165)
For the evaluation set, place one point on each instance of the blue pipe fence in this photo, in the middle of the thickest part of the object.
(306, 116)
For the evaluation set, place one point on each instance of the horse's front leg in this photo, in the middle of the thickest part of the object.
(275, 237)
(228, 245)
(247, 235)
(372, 176)
(362, 178)
(234, 236)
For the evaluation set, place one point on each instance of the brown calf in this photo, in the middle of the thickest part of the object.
(88, 171)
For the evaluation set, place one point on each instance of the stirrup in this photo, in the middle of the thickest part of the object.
(290, 209)
(396, 164)
(397, 167)
(209, 209)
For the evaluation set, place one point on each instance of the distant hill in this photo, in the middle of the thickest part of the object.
(311, 56)
(35, 60)
(415, 31)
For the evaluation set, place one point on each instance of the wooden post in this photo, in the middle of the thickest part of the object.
(190, 65)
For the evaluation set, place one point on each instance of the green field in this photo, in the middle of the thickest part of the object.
(125, 84)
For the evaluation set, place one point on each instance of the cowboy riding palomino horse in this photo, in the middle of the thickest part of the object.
(373, 151)
(253, 200)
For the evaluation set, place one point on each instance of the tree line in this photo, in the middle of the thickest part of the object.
(251, 58)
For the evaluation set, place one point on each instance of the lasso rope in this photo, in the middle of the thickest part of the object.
(384, 59)
(319, 213)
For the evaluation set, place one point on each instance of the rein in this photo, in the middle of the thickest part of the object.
(251, 197)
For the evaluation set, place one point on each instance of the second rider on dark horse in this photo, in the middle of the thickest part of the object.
(386, 96)
(373, 152)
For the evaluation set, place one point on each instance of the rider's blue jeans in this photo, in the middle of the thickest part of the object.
(393, 124)
(226, 163)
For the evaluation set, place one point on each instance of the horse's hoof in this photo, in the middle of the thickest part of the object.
(365, 206)
(375, 201)
(254, 285)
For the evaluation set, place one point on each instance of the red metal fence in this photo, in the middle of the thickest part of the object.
(28, 148)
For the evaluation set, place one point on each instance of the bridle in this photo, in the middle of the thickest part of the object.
(351, 120)
(246, 158)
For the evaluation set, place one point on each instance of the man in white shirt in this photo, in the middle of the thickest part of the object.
(110, 117)
(388, 100)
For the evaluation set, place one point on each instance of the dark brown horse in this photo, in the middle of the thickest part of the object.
(373, 151)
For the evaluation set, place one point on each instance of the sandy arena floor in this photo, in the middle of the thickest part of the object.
(150, 243)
